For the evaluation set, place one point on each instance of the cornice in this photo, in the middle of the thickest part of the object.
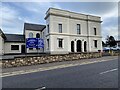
(75, 35)
(67, 16)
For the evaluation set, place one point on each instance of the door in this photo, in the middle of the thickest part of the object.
(79, 46)
(72, 46)
(22, 48)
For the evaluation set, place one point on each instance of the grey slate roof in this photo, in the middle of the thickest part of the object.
(14, 38)
(29, 26)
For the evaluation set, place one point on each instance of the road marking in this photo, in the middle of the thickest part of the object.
(49, 68)
(42, 88)
(109, 71)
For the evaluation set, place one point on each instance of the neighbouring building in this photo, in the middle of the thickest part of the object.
(64, 32)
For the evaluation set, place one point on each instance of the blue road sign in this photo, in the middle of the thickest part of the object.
(34, 43)
(40, 43)
(31, 43)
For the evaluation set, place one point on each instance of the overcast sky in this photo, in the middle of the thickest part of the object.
(15, 14)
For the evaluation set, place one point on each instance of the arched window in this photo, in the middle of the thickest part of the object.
(30, 35)
(37, 35)
(85, 46)
(72, 46)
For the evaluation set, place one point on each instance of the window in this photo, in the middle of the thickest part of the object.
(95, 43)
(37, 35)
(30, 35)
(60, 28)
(95, 32)
(37, 48)
(14, 47)
(30, 48)
(43, 34)
(78, 29)
(48, 28)
(48, 43)
(60, 43)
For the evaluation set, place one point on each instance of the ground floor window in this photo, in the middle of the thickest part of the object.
(95, 43)
(14, 47)
(47, 43)
(60, 43)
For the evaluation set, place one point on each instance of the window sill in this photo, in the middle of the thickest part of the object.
(60, 48)
(14, 50)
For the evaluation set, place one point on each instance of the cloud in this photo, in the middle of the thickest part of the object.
(110, 31)
(110, 14)
(9, 17)
(14, 14)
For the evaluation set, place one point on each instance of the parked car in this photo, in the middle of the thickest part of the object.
(115, 48)
(106, 48)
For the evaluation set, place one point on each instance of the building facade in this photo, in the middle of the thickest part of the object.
(64, 32)
(72, 32)
(34, 31)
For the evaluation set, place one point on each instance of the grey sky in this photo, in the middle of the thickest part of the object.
(14, 14)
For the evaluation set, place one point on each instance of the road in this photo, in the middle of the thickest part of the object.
(95, 75)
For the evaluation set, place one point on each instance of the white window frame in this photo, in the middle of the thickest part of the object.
(58, 39)
(78, 29)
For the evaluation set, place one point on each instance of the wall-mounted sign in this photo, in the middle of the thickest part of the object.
(34, 43)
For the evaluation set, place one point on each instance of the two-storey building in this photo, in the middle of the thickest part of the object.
(72, 32)
(64, 32)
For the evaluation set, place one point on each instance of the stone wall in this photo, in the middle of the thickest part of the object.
(34, 60)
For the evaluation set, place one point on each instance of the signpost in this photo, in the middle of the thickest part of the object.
(31, 42)
(40, 43)
(34, 43)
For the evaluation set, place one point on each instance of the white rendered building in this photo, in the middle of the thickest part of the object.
(64, 32)
(72, 32)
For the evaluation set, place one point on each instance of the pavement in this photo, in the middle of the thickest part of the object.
(49, 66)
(10, 57)
(87, 73)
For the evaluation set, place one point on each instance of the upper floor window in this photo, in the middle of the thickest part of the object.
(30, 35)
(48, 28)
(78, 29)
(60, 28)
(37, 35)
(43, 35)
(95, 32)
(95, 43)
(60, 43)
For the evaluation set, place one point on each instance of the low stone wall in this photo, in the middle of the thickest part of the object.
(111, 53)
(34, 60)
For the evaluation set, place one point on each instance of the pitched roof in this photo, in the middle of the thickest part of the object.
(2, 34)
(14, 38)
(29, 26)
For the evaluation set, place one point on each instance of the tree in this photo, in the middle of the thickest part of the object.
(103, 44)
(110, 41)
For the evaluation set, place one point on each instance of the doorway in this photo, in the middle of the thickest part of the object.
(72, 46)
(79, 46)
(85, 46)
(22, 48)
